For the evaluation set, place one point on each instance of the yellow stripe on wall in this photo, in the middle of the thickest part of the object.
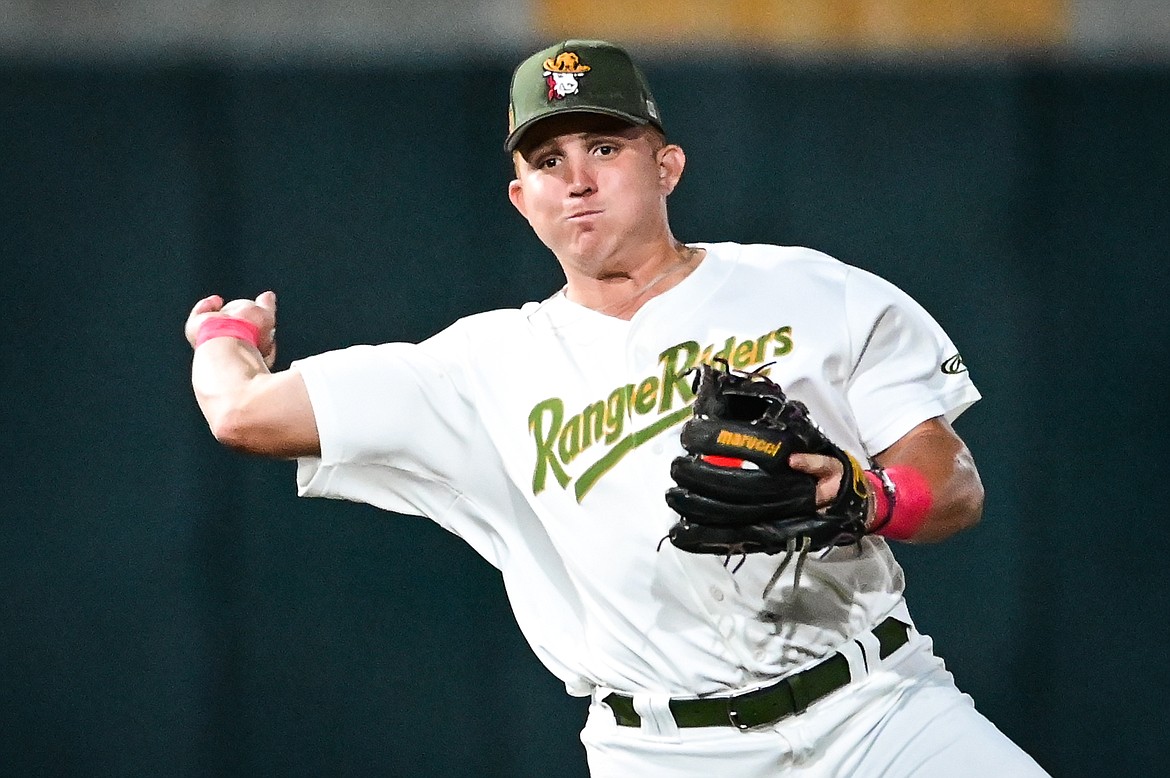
(862, 24)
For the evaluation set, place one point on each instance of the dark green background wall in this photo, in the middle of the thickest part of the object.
(170, 608)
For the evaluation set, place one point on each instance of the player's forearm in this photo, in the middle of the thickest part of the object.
(222, 374)
(951, 480)
(957, 501)
(249, 408)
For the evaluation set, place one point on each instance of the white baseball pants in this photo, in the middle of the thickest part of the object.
(907, 719)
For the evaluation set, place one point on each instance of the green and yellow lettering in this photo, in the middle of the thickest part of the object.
(783, 338)
(646, 396)
(615, 412)
(742, 357)
(674, 373)
(592, 424)
(725, 352)
(759, 353)
(545, 425)
(569, 441)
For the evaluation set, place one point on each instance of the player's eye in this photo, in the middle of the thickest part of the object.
(605, 149)
(547, 163)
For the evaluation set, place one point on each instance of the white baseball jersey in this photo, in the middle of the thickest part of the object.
(543, 437)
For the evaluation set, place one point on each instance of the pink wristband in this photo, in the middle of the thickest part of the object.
(902, 516)
(227, 327)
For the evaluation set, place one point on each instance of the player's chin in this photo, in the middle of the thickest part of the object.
(566, 235)
(590, 246)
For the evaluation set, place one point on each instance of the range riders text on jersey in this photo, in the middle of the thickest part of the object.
(559, 440)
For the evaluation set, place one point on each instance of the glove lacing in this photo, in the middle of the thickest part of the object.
(801, 555)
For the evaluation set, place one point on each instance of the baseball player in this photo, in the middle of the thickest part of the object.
(715, 574)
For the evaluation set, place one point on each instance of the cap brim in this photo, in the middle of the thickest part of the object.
(515, 136)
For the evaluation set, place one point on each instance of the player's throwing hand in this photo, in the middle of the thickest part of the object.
(260, 312)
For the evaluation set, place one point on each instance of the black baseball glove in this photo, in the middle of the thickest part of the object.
(736, 493)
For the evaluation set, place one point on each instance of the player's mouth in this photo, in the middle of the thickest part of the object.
(582, 215)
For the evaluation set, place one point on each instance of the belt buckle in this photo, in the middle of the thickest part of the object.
(772, 710)
(733, 716)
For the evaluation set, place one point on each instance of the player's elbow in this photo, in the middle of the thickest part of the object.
(957, 506)
(957, 511)
(232, 428)
(238, 422)
(969, 507)
(965, 501)
(963, 494)
(265, 419)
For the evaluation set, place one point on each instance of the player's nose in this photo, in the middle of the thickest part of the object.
(579, 176)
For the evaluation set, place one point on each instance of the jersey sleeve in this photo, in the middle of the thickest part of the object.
(905, 368)
(397, 429)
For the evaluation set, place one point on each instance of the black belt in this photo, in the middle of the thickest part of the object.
(763, 706)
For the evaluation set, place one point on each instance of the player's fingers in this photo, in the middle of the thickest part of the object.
(266, 301)
(206, 305)
(814, 464)
(240, 308)
(827, 470)
(209, 304)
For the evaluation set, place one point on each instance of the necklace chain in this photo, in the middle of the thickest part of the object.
(686, 254)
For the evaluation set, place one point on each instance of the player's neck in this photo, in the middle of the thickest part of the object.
(621, 289)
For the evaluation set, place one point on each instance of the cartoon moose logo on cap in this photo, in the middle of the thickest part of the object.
(561, 74)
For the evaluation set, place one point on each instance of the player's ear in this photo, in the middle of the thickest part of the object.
(516, 195)
(671, 161)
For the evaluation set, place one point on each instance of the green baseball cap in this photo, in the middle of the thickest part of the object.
(578, 76)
